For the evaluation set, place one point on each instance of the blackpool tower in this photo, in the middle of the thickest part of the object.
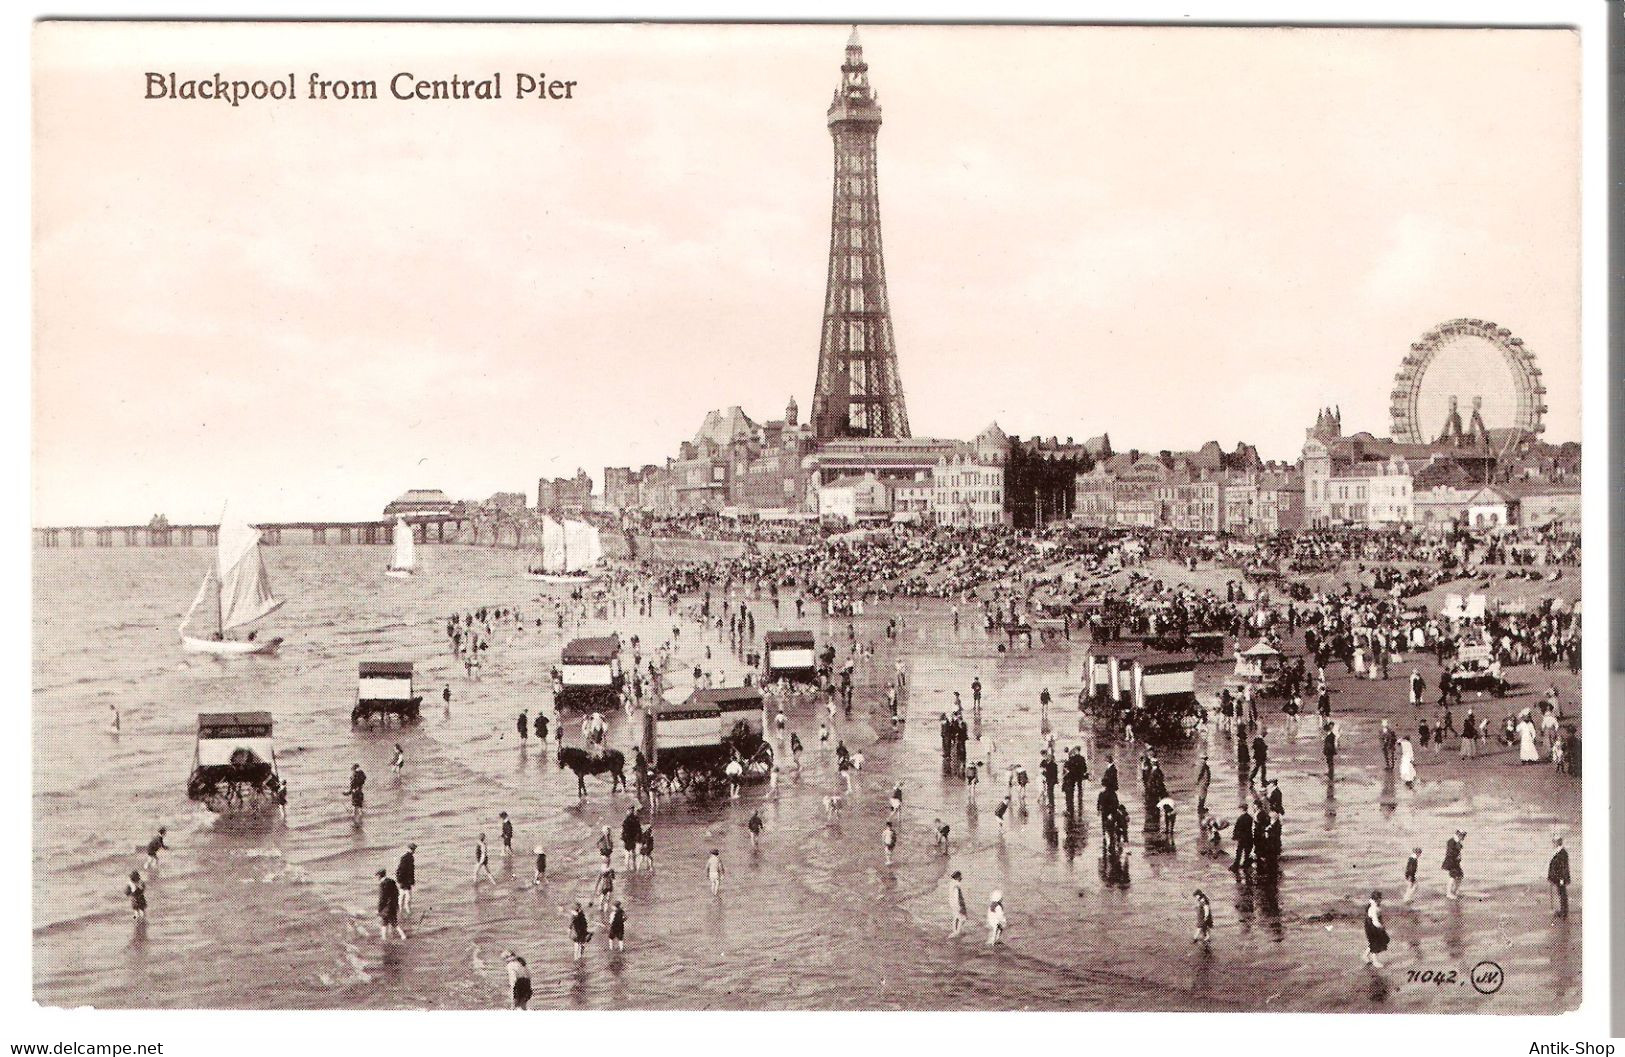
(858, 392)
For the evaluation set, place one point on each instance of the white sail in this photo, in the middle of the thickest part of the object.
(245, 586)
(405, 547)
(581, 542)
(553, 546)
(205, 608)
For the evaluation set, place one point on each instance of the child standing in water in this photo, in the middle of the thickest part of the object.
(580, 934)
(617, 928)
(136, 889)
(1204, 918)
(995, 918)
(956, 904)
(713, 871)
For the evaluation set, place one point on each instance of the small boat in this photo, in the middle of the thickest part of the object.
(235, 593)
(569, 553)
(405, 561)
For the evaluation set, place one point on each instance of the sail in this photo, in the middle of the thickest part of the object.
(552, 546)
(203, 618)
(405, 546)
(245, 586)
(581, 541)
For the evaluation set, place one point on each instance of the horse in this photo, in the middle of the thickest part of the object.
(584, 763)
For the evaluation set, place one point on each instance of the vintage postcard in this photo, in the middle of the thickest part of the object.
(807, 517)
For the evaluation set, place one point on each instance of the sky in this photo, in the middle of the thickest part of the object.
(1168, 235)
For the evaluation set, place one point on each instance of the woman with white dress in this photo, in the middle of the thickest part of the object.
(1407, 761)
(1528, 749)
(995, 918)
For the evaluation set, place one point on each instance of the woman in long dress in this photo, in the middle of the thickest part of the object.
(1376, 937)
(1407, 761)
(1528, 749)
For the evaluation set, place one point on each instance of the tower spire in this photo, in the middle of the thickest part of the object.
(858, 392)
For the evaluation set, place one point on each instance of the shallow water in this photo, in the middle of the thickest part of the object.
(273, 917)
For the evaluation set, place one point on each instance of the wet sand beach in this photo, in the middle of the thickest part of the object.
(282, 917)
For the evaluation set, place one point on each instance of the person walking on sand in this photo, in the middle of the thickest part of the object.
(507, 834)
(1557, 875)
(1452, 865)
(1204, 778)
(1328, 748)
(1204, 918)
(518, 979)
(995, 917)
(482, 862)
(956, 904)
(1407, 761)
(1412, 864)
(540, 873)
(755, 826)
(714, 871)
(1376, 937)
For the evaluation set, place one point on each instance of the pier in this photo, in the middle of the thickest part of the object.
(159, 533)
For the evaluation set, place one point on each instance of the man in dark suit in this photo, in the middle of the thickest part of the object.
(1452, 864)
(1072, 778)
(1557, 875)
(1243, 835)
(1261, 751)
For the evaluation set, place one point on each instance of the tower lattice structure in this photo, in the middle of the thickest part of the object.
(858, 392)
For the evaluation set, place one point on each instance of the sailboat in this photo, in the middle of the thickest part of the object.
(569, 551)
(405, 561)
(235, 593)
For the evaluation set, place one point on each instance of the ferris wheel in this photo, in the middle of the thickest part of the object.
(1479, 360)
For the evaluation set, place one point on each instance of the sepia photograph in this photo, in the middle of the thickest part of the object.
(807, 517)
